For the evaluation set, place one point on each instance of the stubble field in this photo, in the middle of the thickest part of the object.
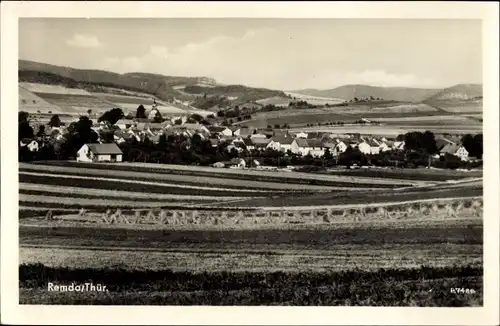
(413, 261)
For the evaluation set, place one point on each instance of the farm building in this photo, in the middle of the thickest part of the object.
(457, 150)
(369, 147)
(316, 147)
(99, 153)
(300, 146)
(124, 123)
(244, 132)
(280, 143)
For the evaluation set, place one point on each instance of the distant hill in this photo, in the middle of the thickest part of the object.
(163, 87)
(349, 92)
(460, 92)
(458, 98)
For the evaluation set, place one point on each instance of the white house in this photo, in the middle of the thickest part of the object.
(280, 143)
(301, 134)
(221, 131)
(258, 135)
(124, 123)
(457, 150)
(316, 147)
(398, 145)
(249, 144)
(340, 146)
(369, 147)
(99, 153)
(300, 146)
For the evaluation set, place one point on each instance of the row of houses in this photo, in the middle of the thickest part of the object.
(247, 138)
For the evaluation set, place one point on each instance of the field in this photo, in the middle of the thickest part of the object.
(384, 265)
(31, 103)
(204, 236)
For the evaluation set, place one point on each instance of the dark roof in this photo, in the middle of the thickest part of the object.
(315, 142)
(216, 129)
(283, 140)
(247, 142)
(301, 142)
(111, 148)
(442, 142)
(450, 148)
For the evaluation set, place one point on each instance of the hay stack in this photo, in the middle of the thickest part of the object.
(137, 216)
(162, 216)
(106, 216)
(49, 216)
(449, 210)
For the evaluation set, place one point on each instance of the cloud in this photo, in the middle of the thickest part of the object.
(83, 41)
(385, 79)
(261, 58)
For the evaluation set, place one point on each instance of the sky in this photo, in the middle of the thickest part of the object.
(285, 54)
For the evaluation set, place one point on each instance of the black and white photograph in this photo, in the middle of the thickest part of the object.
(228, 161)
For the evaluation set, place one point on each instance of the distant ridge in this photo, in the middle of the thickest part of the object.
(349, 92)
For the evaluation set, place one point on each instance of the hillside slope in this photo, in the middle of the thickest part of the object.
(459, 98)
(349, 92)
(163, 87)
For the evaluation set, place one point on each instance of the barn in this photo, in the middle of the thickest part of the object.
(99, 153)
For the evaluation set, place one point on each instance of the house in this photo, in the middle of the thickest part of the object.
(300, 146)
(442, 142)
(249, 144)
(280, 143)
(340, 147)
(455, 149)
(301, 135)
(385, 146)
(99, 153)
(258, 135)
(260, 143)
(124, 123)
(239, 147)
(235, 163)
(398, 145)
(316, 147)
(222, 131)
(31, 144)
(369, 147)
(244, 132)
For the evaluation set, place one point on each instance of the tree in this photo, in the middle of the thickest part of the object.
(158, 117)
(178, 121)
(41, 131)
(25, 130)
(89, 111)
(112, 116)
(141, 112)
(473, 144)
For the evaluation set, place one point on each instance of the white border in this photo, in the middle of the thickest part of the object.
(12, 313)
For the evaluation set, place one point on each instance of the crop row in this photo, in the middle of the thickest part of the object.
(36, 195)
(339, 258)
(255, 175)
(171, 178)
(362, 197)
(263, 238)
(420, 174)
(65, 191)
(131, 186)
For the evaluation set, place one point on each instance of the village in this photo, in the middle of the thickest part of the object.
(233, 139)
